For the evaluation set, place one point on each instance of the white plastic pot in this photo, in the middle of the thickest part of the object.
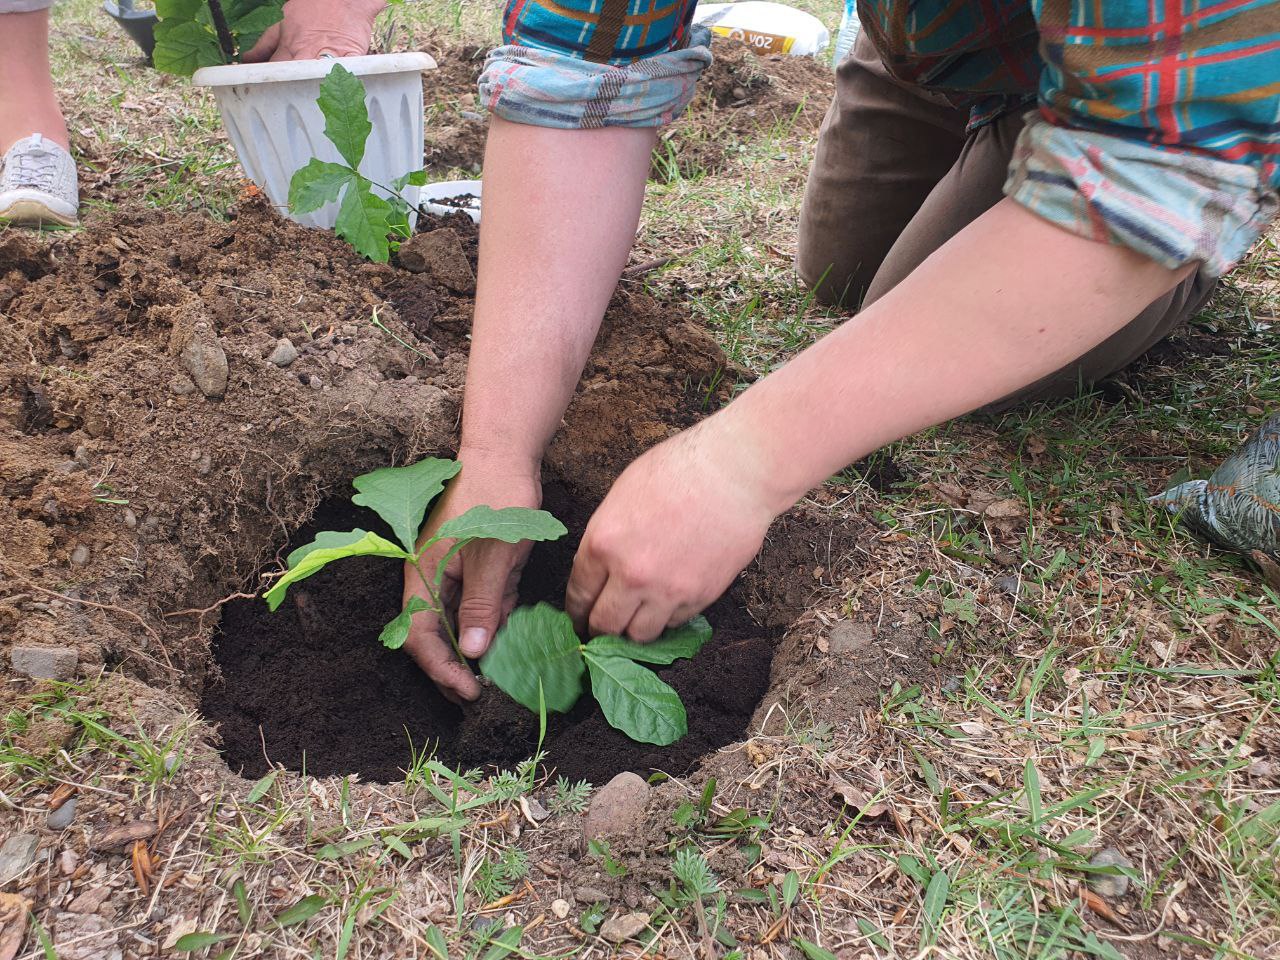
(765, 27)
(270, 113)
(448, 189)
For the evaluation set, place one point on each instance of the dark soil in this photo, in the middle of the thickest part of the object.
(133, 505)
(361, 705)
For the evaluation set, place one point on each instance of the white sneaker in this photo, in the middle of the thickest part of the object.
(38, 184)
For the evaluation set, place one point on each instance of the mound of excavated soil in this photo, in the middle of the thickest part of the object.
(741, 96)
(160, 447)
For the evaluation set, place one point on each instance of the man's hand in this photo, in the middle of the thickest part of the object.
(479, 583)
(676, 528)
(313, 28)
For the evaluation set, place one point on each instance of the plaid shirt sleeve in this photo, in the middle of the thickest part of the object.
(1158, 126)
(582, 64)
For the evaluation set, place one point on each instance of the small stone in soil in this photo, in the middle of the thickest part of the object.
(586, 894)
(206, 361)
(560, 908)
(68, 860)
(284, 353)
(45, 663)
(18, 853)
(626, 927)
(315, 383)
(89, 901)
(617, 808)
(1111, 886)
(61, 818)
(80, 555)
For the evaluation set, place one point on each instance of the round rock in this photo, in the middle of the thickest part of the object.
(617, 808)
(284, 353)
(61, 818)
(626, 927)
(1113, 886)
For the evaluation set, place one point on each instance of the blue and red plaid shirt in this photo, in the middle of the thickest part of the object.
(1157, 124)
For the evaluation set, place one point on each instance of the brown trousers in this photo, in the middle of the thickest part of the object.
(895, 177)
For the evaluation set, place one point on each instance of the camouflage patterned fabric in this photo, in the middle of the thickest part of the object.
(1238, 507)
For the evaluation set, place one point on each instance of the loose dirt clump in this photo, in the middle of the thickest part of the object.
(742, 97)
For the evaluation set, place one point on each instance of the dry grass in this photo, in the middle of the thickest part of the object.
(1072, 673)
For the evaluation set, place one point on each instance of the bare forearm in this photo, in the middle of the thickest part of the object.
(560, 214)
(1008, 300)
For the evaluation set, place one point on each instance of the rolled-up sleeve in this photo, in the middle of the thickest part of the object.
(1158, 126)
(582, 64)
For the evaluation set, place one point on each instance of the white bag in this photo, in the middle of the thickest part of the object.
(766, 27)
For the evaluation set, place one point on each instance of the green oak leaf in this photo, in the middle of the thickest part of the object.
(537, 644)
(675, 643)
(635, 701)
(364, 220)
(183, 48)
(395, 633)
(401, 495)
(326, 547)
(417, 178)
(346, 118)
(178, 9)
(249, 28)
(510, 525)
(316, 184)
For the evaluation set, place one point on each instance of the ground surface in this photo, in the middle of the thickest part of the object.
(987, 657)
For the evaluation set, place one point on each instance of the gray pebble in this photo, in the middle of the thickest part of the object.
(617, 808)
(80, 556)
(1112, 886)
(206, 362)
(129, 518)
(626, 927)
(45, 663)
(61, 818)
(315, 383)
(284, 353)
(18, 853)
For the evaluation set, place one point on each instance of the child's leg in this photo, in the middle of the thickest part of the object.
(882, 148)
(27, 101)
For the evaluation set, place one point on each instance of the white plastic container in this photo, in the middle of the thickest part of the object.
(448, 189)
(270, 113)
(766, 27)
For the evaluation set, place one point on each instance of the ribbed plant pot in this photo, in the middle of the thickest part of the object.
(270, 113)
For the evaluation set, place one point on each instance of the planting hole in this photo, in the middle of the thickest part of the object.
(311, 687)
